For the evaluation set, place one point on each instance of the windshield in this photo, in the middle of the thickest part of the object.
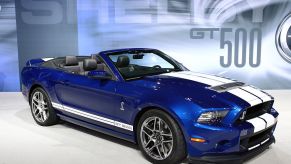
(137, 64)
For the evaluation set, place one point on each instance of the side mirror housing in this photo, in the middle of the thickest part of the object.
(101, 75)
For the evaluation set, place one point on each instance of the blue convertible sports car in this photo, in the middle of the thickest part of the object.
(146, 97)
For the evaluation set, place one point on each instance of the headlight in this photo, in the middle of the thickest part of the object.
(212, 117)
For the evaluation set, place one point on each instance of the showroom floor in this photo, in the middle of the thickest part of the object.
(24, 142)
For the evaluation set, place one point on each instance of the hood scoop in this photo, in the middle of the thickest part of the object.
(227, 86)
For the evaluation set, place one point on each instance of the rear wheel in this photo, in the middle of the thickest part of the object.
(41, 108)
(160, 138)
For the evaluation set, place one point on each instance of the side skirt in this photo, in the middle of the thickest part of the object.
(110, 132)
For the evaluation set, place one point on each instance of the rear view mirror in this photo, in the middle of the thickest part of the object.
(138, 56)
(101, 75)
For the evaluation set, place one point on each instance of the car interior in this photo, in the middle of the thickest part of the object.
(82, 65)
(78, 64)
(131, 70)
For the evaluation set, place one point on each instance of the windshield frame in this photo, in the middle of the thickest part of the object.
(177, 66)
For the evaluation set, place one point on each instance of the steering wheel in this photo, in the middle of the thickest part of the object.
(157, 67)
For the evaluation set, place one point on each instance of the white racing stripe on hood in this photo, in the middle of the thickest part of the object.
(251, 99)
(217, 78)
(258, 93)
(247, 93)
(185, 75)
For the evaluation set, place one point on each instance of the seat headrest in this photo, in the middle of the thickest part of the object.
(71, 61)
(94, 56)
(122, 61)
(100, 67)
(89, 64)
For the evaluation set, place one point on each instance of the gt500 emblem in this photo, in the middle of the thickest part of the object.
(283, 38)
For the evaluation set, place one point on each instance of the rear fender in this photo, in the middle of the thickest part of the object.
(34, 62)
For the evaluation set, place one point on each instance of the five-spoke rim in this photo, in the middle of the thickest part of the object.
(39, 106)
(157, 138)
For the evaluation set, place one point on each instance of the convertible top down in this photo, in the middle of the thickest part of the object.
(146, 97)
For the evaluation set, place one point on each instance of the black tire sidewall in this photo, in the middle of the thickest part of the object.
(179, 147)
(52, 119)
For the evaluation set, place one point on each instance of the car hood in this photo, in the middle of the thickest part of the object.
(205, 90)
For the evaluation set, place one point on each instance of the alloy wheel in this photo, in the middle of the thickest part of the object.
(157, 138)
(40, 108)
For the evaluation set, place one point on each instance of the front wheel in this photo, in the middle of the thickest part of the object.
(160, 138)
(41, 108)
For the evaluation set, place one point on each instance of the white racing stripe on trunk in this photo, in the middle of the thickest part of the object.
(184, 75)
(269, 119)
(93, 117)
(251, 99)
(258, 93)
(258, 124)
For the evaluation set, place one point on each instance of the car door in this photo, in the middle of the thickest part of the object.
(88, 99)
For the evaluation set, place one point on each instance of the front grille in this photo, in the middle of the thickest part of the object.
(256, 139)
(257, 110)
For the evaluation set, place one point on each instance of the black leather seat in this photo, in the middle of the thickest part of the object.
(94, 56)
(122, 61)
(100, 65)
(89, 65)
(122, 64)
(71, 64)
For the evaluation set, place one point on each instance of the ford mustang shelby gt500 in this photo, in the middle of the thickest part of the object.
(146, 97)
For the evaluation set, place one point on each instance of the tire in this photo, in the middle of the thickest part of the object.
(147, 139)
(42, 111)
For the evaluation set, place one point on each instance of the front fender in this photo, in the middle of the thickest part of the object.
(183, 113)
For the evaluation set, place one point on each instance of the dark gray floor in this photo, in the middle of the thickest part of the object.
(24, 142)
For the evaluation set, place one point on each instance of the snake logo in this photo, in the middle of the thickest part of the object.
(283, 38)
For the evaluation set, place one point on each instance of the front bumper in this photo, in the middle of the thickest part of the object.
(237, 158)
(232, 144)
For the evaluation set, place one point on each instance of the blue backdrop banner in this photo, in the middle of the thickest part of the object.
(245, 40)
(9, 68)
(239, 39)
